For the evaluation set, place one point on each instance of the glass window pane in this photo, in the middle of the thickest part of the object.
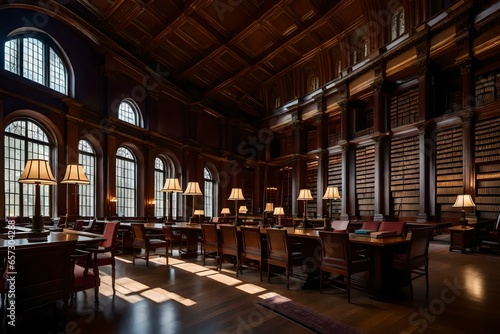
(127, 113)
(57, 73)
(86, 192)
(125, 183)
(11, 51)
(33, 60)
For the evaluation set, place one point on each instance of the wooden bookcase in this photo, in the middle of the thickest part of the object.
(405, 176)
(404, 107)
(334, 132)
(311, 184)
(335, 179)
(449, 172)
(487, 159)
(487, 87)
(365, 180)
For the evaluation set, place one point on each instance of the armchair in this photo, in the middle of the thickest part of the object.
(491, 237)
(83, 279)
(147, 243)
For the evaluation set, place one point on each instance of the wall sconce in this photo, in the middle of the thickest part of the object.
(151, 205)
(110, 205)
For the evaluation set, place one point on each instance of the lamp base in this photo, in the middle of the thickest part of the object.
(463, 222)
(326, 225)
(192, 220)
(304, 224)
(38, 235)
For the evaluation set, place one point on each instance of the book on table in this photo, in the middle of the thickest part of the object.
(363, 233)
(381, 234)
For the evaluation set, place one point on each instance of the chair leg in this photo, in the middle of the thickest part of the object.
(113, 275)
(287, 272)
(411, 289)
(321, 281)
(260, 270)
(268, 273)
(96, 296)
(348, 288)
(147, 258)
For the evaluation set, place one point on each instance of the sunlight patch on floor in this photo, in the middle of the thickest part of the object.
(250, 288)
(225, 279)
(207, 272)
(190, 267)
(122, 259)
(127, 286)
(160, 295)
(268, 295)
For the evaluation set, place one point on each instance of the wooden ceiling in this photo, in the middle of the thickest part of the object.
(222, 53)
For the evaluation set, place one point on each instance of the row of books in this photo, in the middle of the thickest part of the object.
(374, 234)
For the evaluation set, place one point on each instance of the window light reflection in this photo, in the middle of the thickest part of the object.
(250, 288)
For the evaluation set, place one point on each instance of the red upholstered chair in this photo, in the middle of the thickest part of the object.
(147, 243)
(106, 251)
(371, 226)
(415, 262)
(338, 257)
(85, 276)
(398, 227)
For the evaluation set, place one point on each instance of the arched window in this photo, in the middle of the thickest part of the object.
(398, 24)
(210, 193)
(86, 192)
(314, 83)
(36, 57)
(24, 140)
(125, 183)
(339, 68)
(129, 112)
(163, 170)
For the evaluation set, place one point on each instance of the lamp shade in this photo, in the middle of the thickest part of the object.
(37, 171)
(236, 195)
(199, 212)
(172, 186)
(75, 175)
(331, 193)
(193, 188)
(464, 201)
(269, 207)
(304, 195)
(279, 211)
(243, 209)
(225, 211)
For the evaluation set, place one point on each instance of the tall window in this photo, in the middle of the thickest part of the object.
(210, 195)
(35, 57)
(86, 192)
(314, 83)
(24, 140)
(164, 170)
(129, 112)
(125, 183)
(339, 68)
(398, 24)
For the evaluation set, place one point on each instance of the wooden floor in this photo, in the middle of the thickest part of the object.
(186, 297)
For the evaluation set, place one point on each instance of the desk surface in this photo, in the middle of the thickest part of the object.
(54, 238)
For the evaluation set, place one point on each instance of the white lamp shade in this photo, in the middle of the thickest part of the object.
(243, 209)
(37, 171)
(225, 211)
(304, 195)
(279, 211)
(269, 207)
(172, 186)
(464, 201)
(199, 212)
(236, 195)
(331, 193)
(75, 175)
(193, 188)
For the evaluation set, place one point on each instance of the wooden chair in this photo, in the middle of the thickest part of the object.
(78, 225)
(230, 245)
(106, 250)
(92, 227)
(252, 249)
(83, 278)
(338, 257)
(210, 242)
(372, 226)
(280, 254)
(398, 227)
(172, 236)
(414, 263)
(147, 243)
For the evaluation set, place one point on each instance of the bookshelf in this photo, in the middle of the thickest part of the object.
(405, 176)
(334, 132)
(449, 172)
(312, 141)
(404, 107)
(487, 159)
(311, 183)
(487, 87)
(365, 180)
(335, 179)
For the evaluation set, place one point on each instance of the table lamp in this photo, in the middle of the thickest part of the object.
(304, 195)
(75, 175)
(236, 195)
(278, 212)
(171, 186)
(331, 193)
(193, 189)
(199, 213)
(464, 201)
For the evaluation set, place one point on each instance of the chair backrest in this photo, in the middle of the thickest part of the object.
(373, 226)
(340, 225)
(168, 231)
(497, 225)
(334, 249)
(216, 220)
(277, 244)
(251, 240)
(78, 226)
(62, 221)
(419, 244)
(110, 233)
(138, 231)
(398, 227)
(209, 234)
(229, 236)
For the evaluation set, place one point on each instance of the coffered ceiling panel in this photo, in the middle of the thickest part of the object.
(223, 53)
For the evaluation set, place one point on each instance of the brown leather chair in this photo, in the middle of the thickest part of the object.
(252, 250)
(106, 250)
(414, 263)
(210, 242)
(147, 242)
(280, 254)
(78, 225)
(230, 246)
(338, 257)
(397, 227)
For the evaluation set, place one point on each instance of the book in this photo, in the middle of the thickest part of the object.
(381, 234)
(363, 232)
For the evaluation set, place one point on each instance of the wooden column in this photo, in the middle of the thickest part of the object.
(427, 149)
